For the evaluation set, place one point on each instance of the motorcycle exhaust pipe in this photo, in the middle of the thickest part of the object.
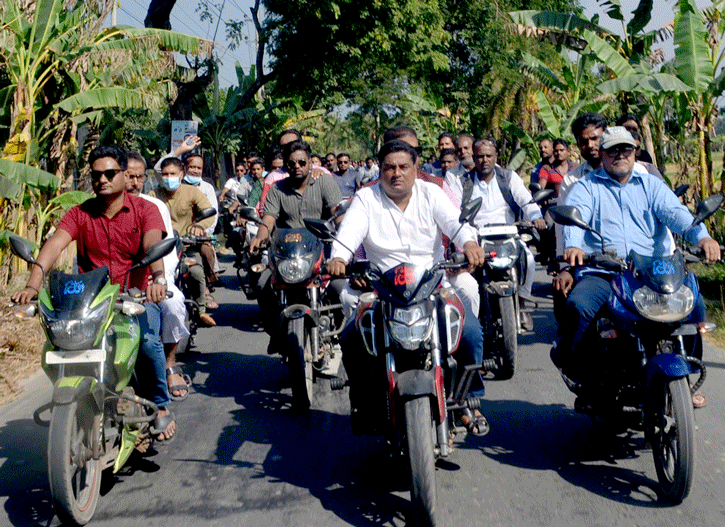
(128, 420)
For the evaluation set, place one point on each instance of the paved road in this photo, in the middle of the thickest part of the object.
(242, 458)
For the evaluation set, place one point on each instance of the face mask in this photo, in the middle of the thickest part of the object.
(170, 183)
(192, 180)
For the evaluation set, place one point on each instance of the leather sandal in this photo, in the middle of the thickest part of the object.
(475, 423)
(178, 387)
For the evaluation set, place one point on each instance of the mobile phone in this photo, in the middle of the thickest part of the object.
(189, 142)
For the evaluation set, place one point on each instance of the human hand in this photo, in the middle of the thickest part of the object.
(316, 173)
(156, 292)
(24, 296)
(574, 256)
(336, 267)
(195, 230)
(474, 253)
(540, 224)
(710, 248)
(563, 282)
(189, 144)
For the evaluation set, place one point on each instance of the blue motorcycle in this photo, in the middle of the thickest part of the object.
(642, 344)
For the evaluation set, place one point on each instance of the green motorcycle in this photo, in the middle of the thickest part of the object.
(93, 342)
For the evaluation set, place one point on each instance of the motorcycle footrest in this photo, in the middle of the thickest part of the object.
(472, 403)
(489, 365)
(338, 383)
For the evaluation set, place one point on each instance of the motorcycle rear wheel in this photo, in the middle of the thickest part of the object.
(423, 491)
(75, 482)
(509, 339)
(673, 440)
(300, 370)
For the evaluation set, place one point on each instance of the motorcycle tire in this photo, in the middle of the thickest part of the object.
(74, 484)
(673, 439)
(508, 344)
(423, 491)
(300, 369)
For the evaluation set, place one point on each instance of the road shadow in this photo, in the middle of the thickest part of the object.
(24, 473)
(556, 438)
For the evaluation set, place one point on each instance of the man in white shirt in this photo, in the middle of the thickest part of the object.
(505, 201)
(402, 220)
(173, 310)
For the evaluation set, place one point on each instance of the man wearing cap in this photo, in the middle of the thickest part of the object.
(632, 210)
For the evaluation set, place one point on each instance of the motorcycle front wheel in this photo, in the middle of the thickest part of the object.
(300, 369)
(75, 478)
(419, 430)
(509, 338)
(673, 438)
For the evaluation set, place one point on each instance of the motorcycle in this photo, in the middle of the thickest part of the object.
(413, 326)
(311, 316)
(499, 279)
(93, 342)
(184, 244)
(249, 265)
(641, 377)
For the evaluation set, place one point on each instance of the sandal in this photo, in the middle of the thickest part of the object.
(699, 400)
(475, 423)
(161, 424)
(178, 387)
(210, 302)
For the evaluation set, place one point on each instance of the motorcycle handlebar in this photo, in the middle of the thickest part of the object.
(190, 239)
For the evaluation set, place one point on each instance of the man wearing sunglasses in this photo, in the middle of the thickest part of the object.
(289, 202)
(633, 210)
(115, 229)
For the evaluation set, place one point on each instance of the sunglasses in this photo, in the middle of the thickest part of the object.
(617, 150)
(291, 164)
(110, 173)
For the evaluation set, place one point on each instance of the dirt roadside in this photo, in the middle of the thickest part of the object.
(21, 343)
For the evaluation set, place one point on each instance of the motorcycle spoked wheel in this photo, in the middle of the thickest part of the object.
(673, 439)
(509, 340)
(75, 482)
(300, 370)
(421, 457)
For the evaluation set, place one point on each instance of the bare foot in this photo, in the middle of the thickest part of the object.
(170, 428)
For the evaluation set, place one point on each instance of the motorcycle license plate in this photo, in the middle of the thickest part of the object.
(75, 357)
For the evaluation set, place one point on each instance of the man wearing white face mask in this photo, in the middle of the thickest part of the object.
(184, 203)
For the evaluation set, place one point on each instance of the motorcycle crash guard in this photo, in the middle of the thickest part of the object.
(667, 365)
(69, 389)
(501, 288)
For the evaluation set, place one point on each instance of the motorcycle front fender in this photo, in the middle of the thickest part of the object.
(501, 288)
(69, 389)
(416, 383)
(668, 366)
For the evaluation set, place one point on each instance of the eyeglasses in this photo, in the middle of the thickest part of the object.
(140, 177)
(620, 149)
(292, 163)
(110, 173)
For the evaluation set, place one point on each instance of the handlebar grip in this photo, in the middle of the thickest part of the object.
(169, 294)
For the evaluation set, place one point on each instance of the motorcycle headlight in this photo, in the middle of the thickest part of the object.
(664, 307)
(501, 256)
(77, 330)
(409, 327)
(294, 270)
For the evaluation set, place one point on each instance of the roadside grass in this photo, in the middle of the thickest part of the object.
(710, 278)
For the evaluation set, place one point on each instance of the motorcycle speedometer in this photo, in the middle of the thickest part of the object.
(662, 307)
(74, 330)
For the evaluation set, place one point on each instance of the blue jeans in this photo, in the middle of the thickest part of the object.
(151, 362)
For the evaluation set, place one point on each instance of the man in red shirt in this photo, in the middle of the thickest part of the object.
(116, 229)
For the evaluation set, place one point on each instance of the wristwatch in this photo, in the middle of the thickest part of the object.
(160, 281)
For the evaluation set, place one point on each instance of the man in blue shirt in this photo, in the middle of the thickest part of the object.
(633, 211)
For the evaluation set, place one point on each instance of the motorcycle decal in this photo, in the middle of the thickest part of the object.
(662, 267)
(74, 287)
(404, 275)
(293, 237)
(440, 394)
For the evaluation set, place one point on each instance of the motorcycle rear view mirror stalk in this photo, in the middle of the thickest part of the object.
(571, 217)
(156, 252)
(22, 249)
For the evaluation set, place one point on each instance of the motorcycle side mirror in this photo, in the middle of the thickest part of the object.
(241, 198)
(250, 214)
(542, 195)
(157, 251)
(22, 248)
(320, 228)
(680, 191)
(705, 209)
(534, 187)
(570, 216)
(341, 208)
(205, 213)
(469, 210)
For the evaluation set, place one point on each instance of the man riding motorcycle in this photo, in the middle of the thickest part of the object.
(632, 210)
(401, 220)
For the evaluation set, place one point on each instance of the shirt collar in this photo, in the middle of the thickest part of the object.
(602, 174)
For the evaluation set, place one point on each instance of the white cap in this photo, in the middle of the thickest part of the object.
(616, 135)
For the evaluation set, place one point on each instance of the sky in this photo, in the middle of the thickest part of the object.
(185, 19)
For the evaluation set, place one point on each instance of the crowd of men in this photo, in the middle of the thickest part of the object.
(402, 210)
